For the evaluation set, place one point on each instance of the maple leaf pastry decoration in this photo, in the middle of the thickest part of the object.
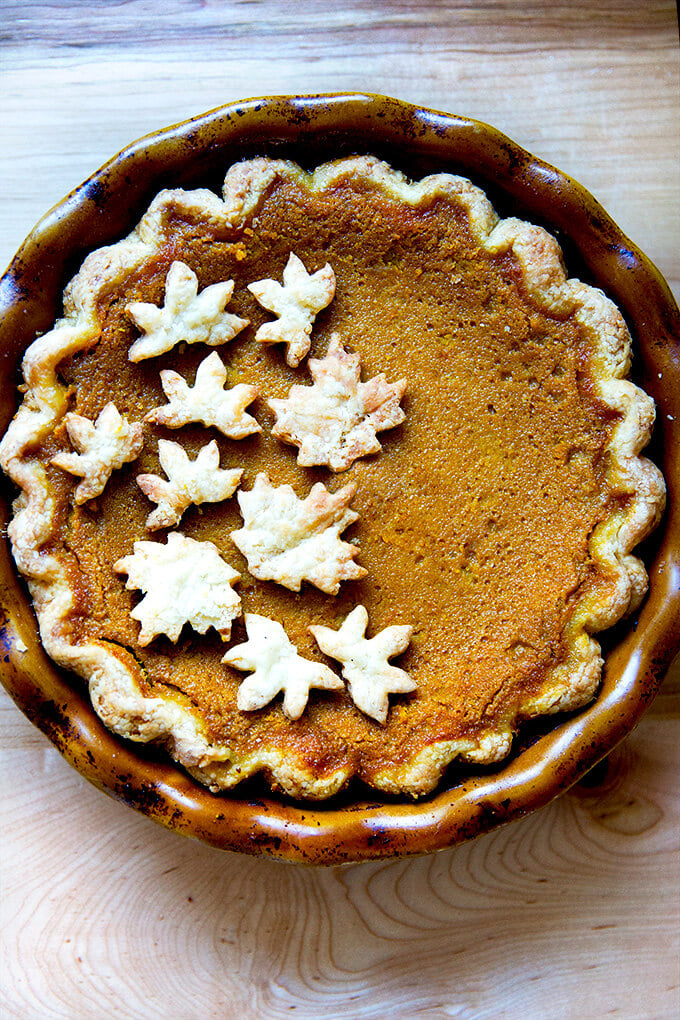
(277, 667)
(189, 482)
(206, 401)
(102, 447)
(370, 677)
(335, 421)
(185, 316)
(184, 581)
(291, 540)
(296, 303)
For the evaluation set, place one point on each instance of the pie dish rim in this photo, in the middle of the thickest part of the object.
(280, 817)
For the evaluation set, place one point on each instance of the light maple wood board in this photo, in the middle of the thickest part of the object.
(572, 912)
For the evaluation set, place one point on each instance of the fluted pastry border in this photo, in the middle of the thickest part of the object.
(172, 720)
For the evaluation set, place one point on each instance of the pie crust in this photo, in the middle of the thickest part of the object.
(408, 753)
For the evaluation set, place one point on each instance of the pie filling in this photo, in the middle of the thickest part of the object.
(473, 522)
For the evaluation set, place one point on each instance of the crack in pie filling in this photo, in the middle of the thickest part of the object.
(420, 433)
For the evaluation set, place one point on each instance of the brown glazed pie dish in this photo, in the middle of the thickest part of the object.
(549, 755)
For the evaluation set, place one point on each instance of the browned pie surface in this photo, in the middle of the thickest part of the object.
(474, 520)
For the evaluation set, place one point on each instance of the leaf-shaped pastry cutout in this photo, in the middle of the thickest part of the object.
(189, 481)
(335, 421)
(277, 667)
(369, 676)
(290, 540)
(103, 447)
(206, 401)
(186, 315)
(184, 581)
(297, 303)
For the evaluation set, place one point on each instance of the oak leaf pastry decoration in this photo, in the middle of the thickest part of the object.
(206, 401)
(369, 675)
(277, 667)
(296, 303)
(102, 447)
(291, 540)
(186, 315)
(184, 581)
(335, 421)
(189, 482)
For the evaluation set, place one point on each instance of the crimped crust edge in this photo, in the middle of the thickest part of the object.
(172, 720)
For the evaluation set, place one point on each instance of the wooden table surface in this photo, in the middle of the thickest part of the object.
(571, 912)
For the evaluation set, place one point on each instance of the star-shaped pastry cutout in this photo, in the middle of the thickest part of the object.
(297, 303)
(277, 667)
(103, 447)
(369, 676)
(206, 401)
(189, 481)
(288, 540)
(184, 581)
(335, 420)
(186, 316)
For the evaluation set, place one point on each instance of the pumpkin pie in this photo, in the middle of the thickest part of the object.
(335, 475)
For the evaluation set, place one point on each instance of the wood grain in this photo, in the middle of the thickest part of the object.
(562, 914)
(590, 88)
(572, 912)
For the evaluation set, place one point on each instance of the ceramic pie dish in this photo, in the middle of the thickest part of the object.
(348, 826)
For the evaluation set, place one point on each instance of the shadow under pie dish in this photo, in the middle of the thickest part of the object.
(404, 365)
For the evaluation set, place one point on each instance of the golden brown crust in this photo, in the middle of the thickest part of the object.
(169, 717)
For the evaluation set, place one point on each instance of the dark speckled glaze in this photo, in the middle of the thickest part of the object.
(549, 757)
